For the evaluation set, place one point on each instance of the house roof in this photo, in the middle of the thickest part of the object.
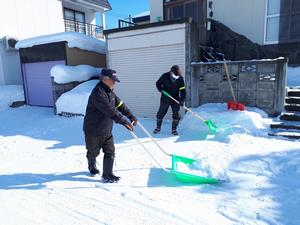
(142, 17)
(148, 25)
(103, 3)
(147, 13)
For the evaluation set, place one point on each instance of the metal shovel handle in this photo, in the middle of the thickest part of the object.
(175, 100)
(152, 157)
(150, 136)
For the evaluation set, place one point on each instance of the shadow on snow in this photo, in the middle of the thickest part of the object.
(281, 174)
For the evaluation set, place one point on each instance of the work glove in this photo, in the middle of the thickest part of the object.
(127, 125)
(181, 102)
(133, 119)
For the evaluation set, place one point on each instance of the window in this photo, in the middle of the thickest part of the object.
(272, 29)
(282, 21)
(74, 20)
(295, 27)
(191, 10)
(177, 9)
(273, 16)
(177, 12)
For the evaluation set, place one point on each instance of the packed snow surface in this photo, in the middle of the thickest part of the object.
(10, 94)
(44, 178)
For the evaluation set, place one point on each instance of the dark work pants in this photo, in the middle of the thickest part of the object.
(94, 144)
(163, 109)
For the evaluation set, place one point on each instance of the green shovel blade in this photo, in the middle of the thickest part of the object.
(212, 127)
(186, 177)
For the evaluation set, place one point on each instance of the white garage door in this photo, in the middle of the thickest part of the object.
(139, 69)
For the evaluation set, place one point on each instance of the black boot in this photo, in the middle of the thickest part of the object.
(108, 176)
(92, 166)
(158, 126)
(174, 126)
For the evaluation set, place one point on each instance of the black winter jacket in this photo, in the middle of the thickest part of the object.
(175, 88)
(103, 108)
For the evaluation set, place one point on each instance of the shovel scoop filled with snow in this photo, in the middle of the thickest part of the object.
(180, 168)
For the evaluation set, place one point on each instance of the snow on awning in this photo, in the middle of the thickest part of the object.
(64, 74)
(74, 40)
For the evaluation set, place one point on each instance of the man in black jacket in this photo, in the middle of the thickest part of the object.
(103, 108)
(173, 83)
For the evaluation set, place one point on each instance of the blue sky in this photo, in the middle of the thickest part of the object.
(121, 10)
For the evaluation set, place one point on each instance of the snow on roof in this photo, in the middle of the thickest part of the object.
(147, 13)
(64, 74)
(102, 3)
(74, 40)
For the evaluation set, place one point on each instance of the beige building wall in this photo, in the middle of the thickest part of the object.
(244, 17)
(76, 56)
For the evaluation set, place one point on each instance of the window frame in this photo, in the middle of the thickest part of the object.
(74, 13)
(171, 4)
(290, 13)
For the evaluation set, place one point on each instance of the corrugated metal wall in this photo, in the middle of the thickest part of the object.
(139, 69)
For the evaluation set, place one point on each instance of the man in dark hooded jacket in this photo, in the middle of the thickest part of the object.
(104, 108)
(173, 83)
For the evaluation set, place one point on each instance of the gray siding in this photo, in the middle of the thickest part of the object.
(10, 69)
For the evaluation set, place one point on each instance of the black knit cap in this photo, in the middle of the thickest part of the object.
(175, 69)
(109, 73)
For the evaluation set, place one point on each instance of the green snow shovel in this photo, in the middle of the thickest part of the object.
(212, 127)
(176, 160)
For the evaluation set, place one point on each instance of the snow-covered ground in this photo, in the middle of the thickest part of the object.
(293, 76)
(10, 94)
(44, 178)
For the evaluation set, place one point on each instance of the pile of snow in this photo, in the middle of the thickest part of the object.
(10, 94)
(293, 76)
(204, 167)
(251, 121)
(64, 74)
(75, 101)
(74, 40)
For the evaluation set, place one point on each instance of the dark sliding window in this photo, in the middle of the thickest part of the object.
(178, 9)
(283, 21)
(75, 20)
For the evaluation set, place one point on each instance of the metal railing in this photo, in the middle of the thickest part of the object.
(84, 28)
(124, 23)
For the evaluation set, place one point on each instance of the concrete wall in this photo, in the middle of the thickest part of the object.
(257, 83)
(10, 69)
(28, 18)
(244, 17)
(156, 10)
